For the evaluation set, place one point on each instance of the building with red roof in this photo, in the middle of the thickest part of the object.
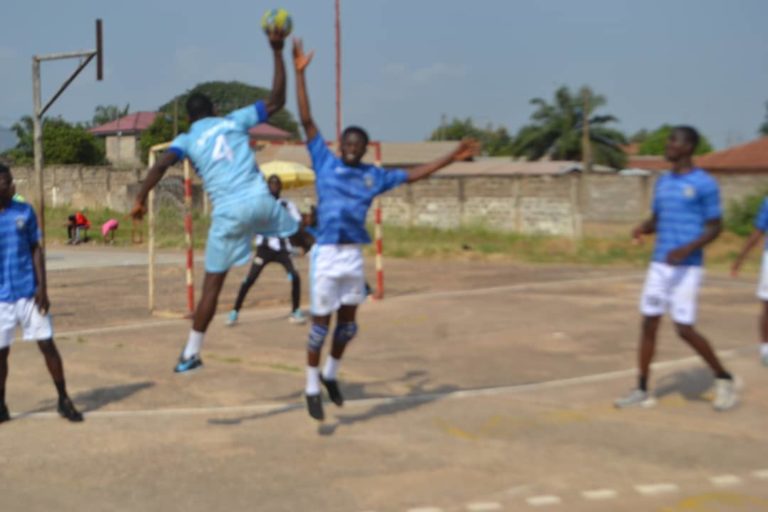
(749, 158)
(121, 137)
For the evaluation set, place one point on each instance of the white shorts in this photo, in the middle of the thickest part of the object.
(762, 286)
(24, 313)
(337, 278)
(671, 288)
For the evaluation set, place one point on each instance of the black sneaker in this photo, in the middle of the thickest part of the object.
(315, 406)
(67, 410)
(332, 386)
(4, 414)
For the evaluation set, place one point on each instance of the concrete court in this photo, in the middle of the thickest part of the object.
(472, 387)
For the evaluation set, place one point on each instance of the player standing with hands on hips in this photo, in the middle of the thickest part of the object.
(686, 218)
(242, 205)
(345, 188)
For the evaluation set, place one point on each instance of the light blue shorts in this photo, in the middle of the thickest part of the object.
(234, 225)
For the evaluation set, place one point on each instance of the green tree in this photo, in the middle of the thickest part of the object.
(226, 97)
(639, 136)
(764, 126)
(105, 113)
(556, 130)
(496, 141)
(63, 143)
(656, 141)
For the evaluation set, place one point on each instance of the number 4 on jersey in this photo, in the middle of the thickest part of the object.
(221, 149)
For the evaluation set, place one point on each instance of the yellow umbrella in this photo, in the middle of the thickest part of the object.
(292, 174)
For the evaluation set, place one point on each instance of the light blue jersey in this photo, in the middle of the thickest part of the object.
(220, 151)
(761, 221)
(242, 205)
(683, 204)
(344, 194)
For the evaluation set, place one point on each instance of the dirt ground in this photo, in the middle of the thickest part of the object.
(472, 386)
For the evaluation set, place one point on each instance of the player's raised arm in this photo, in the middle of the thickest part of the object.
(466, 149)
(276, 99)
(300, 63)
(155, 174)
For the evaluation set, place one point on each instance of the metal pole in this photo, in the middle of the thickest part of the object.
(37, 138)
(586, 146)
(151, 241)
(378, 234)
(188, 237)
(338, 71)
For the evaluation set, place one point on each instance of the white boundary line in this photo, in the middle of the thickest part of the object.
(264, 408)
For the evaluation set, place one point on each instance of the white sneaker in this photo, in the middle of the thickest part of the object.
(726, 394)
(232, 318)
(298, 318)
(635, 398)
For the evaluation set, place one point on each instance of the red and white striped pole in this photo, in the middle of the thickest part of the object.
(188, 238)
(378, 235)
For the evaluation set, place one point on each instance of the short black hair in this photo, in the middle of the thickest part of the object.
(4, 169)
(690, 133)
(356, 129)
(274, 177)
(199, 106)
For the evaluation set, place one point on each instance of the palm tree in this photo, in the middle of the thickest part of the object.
(105, 113)
(556, 129)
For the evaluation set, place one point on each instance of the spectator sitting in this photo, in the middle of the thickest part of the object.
(81, 227)
(71, 225)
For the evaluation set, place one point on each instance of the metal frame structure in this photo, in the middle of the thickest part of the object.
(39, 110)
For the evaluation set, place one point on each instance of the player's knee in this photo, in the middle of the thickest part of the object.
(344, 333)
(684, 331)
(317, 335)
(47, 347)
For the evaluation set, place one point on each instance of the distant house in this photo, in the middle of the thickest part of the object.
(122, 137)
(749, 158)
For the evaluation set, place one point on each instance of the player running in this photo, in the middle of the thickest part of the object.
(345, 189)
(273, 249)
(24, 293)
(242, 205)
(761, 227)
(686, 218)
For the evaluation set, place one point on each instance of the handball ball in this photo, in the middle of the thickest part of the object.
(277, 19)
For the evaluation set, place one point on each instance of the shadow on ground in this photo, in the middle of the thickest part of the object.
(418, 394)
(97, 398)
(690, 384)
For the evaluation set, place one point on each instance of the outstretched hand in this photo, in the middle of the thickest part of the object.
(300, 59)
(277, 38)
(138, 211)
(467, 149)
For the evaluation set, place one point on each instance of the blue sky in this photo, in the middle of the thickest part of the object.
(407, 63)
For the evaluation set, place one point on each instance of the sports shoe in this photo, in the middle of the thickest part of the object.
(298, 318)
(232, 318)
(187, 365)
(726, 394)
(4, 414)
(67, 410)
(315, 406)
(332, 386)
(635, 398)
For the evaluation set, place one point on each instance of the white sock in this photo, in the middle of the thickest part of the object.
(331, 368)
(194, 344)
(764, 349)
(313, 381)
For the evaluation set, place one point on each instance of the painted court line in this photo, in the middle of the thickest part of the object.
(405, 399)
(544, 501)
(483, 507)
(425, 509)
(600, 494)
(725, 480)
(656, 489)
(762, 474)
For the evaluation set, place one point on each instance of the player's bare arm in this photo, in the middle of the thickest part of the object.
(41, 294)
(646, 228)
(466, 149)
(712, 230)
(301, 61)
(155, 174)
(276, 100)
(749, 244)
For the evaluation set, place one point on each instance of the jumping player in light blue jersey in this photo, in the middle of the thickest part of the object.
(242, 205)
(758, 234)
(346, 188)
(686, 218)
